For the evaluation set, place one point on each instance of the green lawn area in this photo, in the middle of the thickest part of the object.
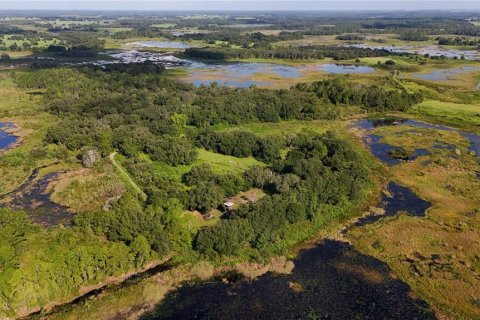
(451, 113)
(220, 164)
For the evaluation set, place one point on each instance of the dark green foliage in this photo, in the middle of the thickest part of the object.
(227, 238)
(242, 144)
(305, 52)
(230, 184)
(317, 171)
(205, 196)
(351, 37)
(457, 41)
(414, 35)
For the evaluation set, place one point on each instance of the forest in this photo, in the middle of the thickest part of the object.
(304, 52)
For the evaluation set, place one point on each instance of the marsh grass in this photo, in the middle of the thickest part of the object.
(436, 255)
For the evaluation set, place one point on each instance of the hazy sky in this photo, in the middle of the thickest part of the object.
(239, 5)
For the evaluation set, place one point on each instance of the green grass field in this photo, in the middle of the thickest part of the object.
(463, 115)
(220, 164)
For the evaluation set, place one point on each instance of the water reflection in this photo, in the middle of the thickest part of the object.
(34, 198)
(160, 44)
(6, 139)
(447, 74)
(330, 281)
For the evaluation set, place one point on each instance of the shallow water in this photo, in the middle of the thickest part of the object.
(34, 198)
(234, 74)
(380, 150)
(344, 69)
(239, 73)
(396, 199)
(160, 44)
(473, 138)
(329, 281)
(6, 139)
(447, 74)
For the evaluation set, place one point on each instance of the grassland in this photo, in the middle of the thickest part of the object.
(220, 164)
(84, 189)
(458, 114)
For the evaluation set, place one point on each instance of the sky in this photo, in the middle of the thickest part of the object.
(235, 5)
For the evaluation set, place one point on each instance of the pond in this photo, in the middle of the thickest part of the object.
(395, 199)
(329, 281)
(447, 74)
(6, 139)
(160, 44)
(383, 151)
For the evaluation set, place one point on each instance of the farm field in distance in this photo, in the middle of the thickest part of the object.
(274, 165)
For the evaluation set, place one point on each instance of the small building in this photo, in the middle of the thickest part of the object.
(228, 205)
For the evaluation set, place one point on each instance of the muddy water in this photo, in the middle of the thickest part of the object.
(330, 281)
(34, 198)
(6, 139)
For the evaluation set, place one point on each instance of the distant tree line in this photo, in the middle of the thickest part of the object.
(303, 52)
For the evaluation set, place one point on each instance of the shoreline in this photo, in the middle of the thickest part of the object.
(12, 129)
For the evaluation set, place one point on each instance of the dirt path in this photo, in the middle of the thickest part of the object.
(125, 174)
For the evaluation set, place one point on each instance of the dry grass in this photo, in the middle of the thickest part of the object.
(87, 189)
(438, 256)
